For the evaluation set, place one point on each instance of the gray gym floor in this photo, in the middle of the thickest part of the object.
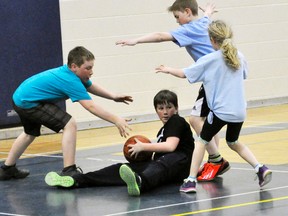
(234, 193)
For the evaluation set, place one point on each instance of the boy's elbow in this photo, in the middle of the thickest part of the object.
(163, 36)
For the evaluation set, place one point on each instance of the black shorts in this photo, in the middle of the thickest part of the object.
(210, 130)
(47, 114)
(200, 107)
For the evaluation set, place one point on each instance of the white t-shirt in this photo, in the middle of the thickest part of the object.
(224, 87)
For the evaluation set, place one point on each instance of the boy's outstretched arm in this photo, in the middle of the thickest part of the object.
(149, 38)
(101, 92)
(98, 111)
(173, 71)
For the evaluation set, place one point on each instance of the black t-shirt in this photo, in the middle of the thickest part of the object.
(177, 126)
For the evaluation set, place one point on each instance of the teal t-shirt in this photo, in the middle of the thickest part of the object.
(51, 86)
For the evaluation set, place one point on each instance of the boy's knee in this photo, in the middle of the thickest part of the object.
(71, 123)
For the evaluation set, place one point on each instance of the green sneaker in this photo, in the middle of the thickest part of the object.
(54, 179)
(131, 179)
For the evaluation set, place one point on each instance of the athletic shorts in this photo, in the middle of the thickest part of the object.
(209, 130)
(200, 107)
(47, 114)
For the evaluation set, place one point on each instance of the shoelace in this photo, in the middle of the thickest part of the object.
(79, 169)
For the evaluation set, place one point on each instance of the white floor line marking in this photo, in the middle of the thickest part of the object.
(3, 213)
(37, 155)
(197, 201)
(95, 159)
(235, 168)
(250, 169)
(99, 159)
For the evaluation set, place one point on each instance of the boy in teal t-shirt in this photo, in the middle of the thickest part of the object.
(34, 101)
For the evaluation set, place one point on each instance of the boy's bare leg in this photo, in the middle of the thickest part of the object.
(18, 147)
(69, 143)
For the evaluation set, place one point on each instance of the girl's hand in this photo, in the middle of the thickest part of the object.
(162, 69)
(126, 42)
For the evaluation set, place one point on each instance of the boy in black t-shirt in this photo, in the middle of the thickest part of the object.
(170, 163)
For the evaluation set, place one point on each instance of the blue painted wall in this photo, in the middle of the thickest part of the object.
(30, 42)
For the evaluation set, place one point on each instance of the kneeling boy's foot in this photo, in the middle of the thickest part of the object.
(130, 178)
(71, 171)
(53, 179)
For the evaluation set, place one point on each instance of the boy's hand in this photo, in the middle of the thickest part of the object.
(123, 127)
(131, 42)
(123, 98)
(209, 9)
(136, 148)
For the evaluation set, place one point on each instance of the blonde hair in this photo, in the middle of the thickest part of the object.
(222, 35)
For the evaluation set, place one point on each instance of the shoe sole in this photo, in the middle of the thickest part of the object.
(191, 190)
(53, 179)
(128, 176)
(267, 178)
(225, 170)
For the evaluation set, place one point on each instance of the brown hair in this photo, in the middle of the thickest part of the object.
(165, 97)
(181, 5)
(79, 55)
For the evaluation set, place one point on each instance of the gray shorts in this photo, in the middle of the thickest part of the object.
(47, 114)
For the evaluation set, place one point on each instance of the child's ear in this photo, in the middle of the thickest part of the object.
(188, 11)
(73, 67)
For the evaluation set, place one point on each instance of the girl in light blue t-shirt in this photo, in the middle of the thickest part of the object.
(222, 73)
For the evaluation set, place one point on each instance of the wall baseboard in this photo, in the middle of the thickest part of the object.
(10, 133)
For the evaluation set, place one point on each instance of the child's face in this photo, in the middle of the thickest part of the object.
(182, 17)
(165, 111)
(84, 72)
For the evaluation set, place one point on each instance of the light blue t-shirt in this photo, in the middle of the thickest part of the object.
(194, 37)
(224, 87)
(51, 86)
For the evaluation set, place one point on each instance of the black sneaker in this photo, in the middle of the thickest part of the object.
(13, 172)
(71, 171)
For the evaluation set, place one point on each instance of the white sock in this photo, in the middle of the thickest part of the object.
(191, 178)
(257, 167)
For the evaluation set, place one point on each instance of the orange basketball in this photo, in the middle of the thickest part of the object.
(142, 156)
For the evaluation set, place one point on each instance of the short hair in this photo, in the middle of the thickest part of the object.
(164, 97)
(79, 55)
(181, 5)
